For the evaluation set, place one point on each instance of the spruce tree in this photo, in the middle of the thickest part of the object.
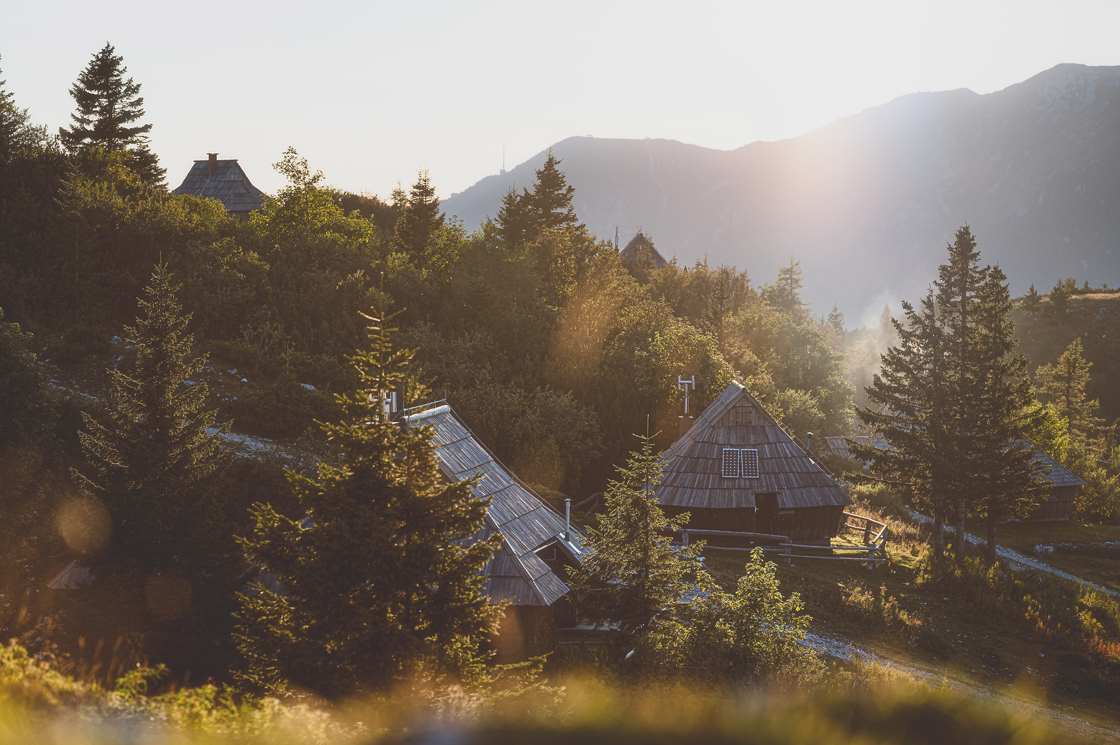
(154, 452)
(632, 574)
(108, 110)
(908, 401)
(14, 124)
(551, 198)
(1032, 300)
(1065, 384)
(380, 577)
(785, 293)
(1009, 480)
(419, 219)
(514, 223)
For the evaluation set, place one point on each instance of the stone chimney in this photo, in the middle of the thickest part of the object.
(212, 163)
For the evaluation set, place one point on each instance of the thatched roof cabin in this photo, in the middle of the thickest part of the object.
(222, 180)
(528, 570)
(737, 469)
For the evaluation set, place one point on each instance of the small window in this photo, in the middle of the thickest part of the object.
(730, 465)
(750, 463)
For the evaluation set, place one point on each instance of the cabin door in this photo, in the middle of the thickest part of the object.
(766, 512)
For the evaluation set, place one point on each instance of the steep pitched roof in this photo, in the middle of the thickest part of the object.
(222, 180)
(1056, 473)
(516, 574)
(692, 476)
(640, 253)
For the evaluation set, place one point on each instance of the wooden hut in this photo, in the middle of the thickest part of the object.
(537, 542)
(222, 180)
(1060, 500)
(736, 469)
(641, 257)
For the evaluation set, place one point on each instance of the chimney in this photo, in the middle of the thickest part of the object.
(211, 163)
(568, 519)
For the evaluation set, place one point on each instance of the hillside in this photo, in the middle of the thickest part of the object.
(868, 202)
(1093, 316)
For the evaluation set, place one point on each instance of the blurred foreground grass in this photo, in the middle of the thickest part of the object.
(38, 704)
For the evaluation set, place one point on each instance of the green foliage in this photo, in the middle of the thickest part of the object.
(108, 109)
(151, 457)
(550, 201)
(23, 396)
(378, 578)
(753, 634)
(633, 575)
(1065, 385)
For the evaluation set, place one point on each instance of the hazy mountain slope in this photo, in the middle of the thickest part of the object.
(867, 203)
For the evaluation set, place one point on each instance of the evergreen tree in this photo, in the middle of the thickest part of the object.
(957, 289)
(908, 401)
(1032, 300)
(551, 198)
(1010, 482)
(1065, 384)
(1060, 296)
(514, 223)
(22, 387)
(381, 576)
(420, 218)
(836, 322)
(109, 109)
(785, 293)
(14, 124)
(633, 575)
(152, 457)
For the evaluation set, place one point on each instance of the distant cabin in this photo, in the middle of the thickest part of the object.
(537, 544)
(1057, 504)
(222, 180)
(736, 469)
(641, 257)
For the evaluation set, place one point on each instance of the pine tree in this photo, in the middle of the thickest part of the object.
(1008, 476)
(957, 288)
(1060, 296)
(109, 107)
(785, 293)
(23, 396)
(152, 458)
(420, 218)
(1032, 300)
(514, 223)
(381, 576)
(551, 198)
(1065, 384)
(14, 124)
(908, 398)
(633, 575)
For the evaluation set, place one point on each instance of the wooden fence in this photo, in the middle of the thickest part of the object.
(871, 548)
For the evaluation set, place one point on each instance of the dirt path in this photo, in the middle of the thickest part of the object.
(1061, 718)
(1016, 559)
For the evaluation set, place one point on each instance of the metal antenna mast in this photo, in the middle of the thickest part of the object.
(686, 384)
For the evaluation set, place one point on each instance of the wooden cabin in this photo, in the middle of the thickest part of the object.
(1057, 504)
(223, 180)
(736, 469)
(641, 258)
(537, 542)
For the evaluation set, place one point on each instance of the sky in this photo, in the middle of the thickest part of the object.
(371, 92)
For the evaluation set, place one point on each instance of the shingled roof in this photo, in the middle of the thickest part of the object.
(526, 523)
(222, 180)
(692, 476)
(640, 255)
(1056, 473)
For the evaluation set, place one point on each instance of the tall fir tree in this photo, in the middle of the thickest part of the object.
(1032, 300)
(108, 111)
(1065, 384)
(785, 293)
(14, 124)
(633, 575)
(1009, 478)
(514, 223)
(381, 577)
(152, 458)
(957, 290)
(420, 218)
(908, 398)
(551, 198)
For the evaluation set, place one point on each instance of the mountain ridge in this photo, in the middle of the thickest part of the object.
(867, 203)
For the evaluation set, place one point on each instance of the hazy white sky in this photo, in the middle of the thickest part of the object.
(372, 91)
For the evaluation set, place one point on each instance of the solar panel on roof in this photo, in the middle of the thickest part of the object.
(750, 463)
(729, 468)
